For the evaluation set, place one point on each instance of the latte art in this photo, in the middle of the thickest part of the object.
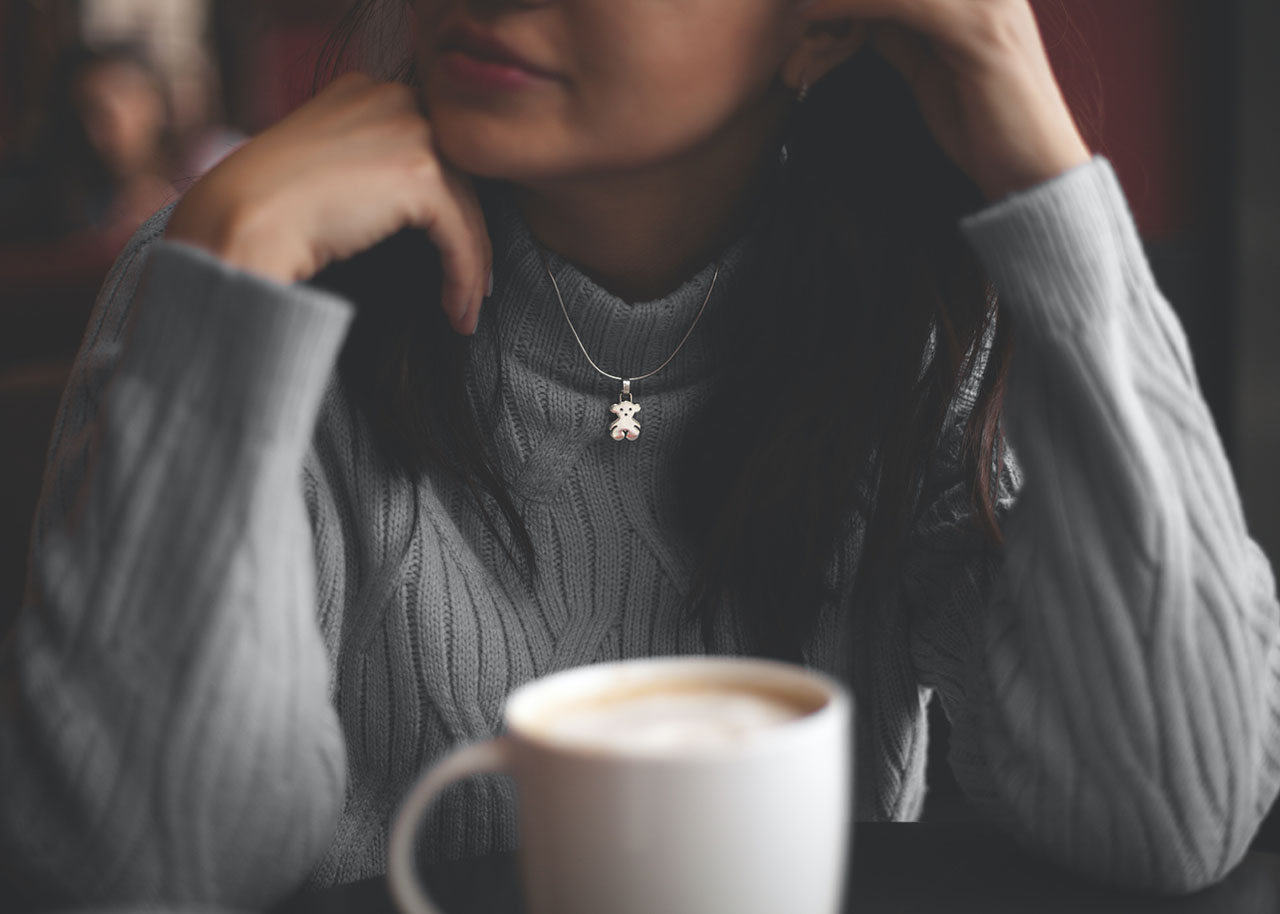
(673, 720)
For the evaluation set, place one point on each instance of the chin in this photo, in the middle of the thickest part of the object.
(474, 158)
(477, 148)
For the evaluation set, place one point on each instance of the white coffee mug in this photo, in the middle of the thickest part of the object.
(744, 821)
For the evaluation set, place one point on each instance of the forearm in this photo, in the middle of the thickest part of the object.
(170, 735)
(1122, 685)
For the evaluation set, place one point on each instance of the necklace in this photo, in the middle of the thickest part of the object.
(626, 426)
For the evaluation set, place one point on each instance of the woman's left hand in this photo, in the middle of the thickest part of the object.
(980, 74)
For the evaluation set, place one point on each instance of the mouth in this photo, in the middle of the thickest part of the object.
(466, 71)
(483, 49)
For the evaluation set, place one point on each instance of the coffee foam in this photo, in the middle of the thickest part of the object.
(663, 718)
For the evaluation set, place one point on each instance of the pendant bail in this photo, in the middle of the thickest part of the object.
(626, 388)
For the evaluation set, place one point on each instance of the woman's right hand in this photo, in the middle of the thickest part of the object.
(347, 169)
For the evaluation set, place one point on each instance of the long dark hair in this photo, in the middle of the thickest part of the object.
(888, 316)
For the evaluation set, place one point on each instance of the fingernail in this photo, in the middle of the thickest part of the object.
(457, 308)
(490, 292)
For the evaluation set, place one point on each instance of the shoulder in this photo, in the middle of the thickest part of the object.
(110, 315)
(150, 232)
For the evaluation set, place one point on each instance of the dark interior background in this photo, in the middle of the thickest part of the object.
(1181, 95)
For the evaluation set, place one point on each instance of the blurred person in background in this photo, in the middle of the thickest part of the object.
(103, 162)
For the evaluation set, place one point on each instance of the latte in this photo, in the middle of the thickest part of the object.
(666, 718)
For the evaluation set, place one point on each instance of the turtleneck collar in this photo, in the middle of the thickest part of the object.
(626, 339)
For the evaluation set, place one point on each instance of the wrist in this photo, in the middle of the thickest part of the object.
(254, 246)
(240, 236)
(1059, 161)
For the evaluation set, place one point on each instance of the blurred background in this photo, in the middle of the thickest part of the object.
(110, 108)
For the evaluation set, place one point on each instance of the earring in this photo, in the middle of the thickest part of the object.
(800, 97)
(783, 155)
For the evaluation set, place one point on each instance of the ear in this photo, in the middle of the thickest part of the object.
(634, 409)
(821, 48)
(614, 409)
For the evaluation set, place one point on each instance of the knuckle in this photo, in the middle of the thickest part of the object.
(394, 95)
(413, 129)
(992, 25)
(426, 168)
(350, 80)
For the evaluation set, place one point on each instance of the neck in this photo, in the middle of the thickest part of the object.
(639, 234)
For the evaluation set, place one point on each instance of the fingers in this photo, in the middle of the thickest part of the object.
(477, 243)
(448, 210)
(968, 24)
(345, 95)
(348, 83)
(935, 18)
(454, 221)
(450, 230)
(962, 33)
(896, 26)
(905, 50)
(440, 199)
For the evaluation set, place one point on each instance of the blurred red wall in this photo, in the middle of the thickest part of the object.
(287, 56)
(1141, 70)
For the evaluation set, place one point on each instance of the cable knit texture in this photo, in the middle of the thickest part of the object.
(238, 647)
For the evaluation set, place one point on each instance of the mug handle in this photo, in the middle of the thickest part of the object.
(492, 755)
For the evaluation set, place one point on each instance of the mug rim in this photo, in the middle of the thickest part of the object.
(830, 695)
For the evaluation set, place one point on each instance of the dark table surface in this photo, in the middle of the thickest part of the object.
(897, 867)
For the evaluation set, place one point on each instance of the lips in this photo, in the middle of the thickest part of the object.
(487, 47)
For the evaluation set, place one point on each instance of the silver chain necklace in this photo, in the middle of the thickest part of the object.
(625, 426)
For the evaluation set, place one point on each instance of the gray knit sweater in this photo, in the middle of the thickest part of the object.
(237, 648)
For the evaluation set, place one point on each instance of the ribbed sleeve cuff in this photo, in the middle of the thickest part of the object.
(240, 348)
(1056, 251)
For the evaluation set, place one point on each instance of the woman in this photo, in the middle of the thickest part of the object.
(103, 162)
(266, 592)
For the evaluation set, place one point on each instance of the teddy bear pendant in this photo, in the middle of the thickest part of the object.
(625, 426)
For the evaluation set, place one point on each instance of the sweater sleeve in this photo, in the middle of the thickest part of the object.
(1113, 677)
(166, 733)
